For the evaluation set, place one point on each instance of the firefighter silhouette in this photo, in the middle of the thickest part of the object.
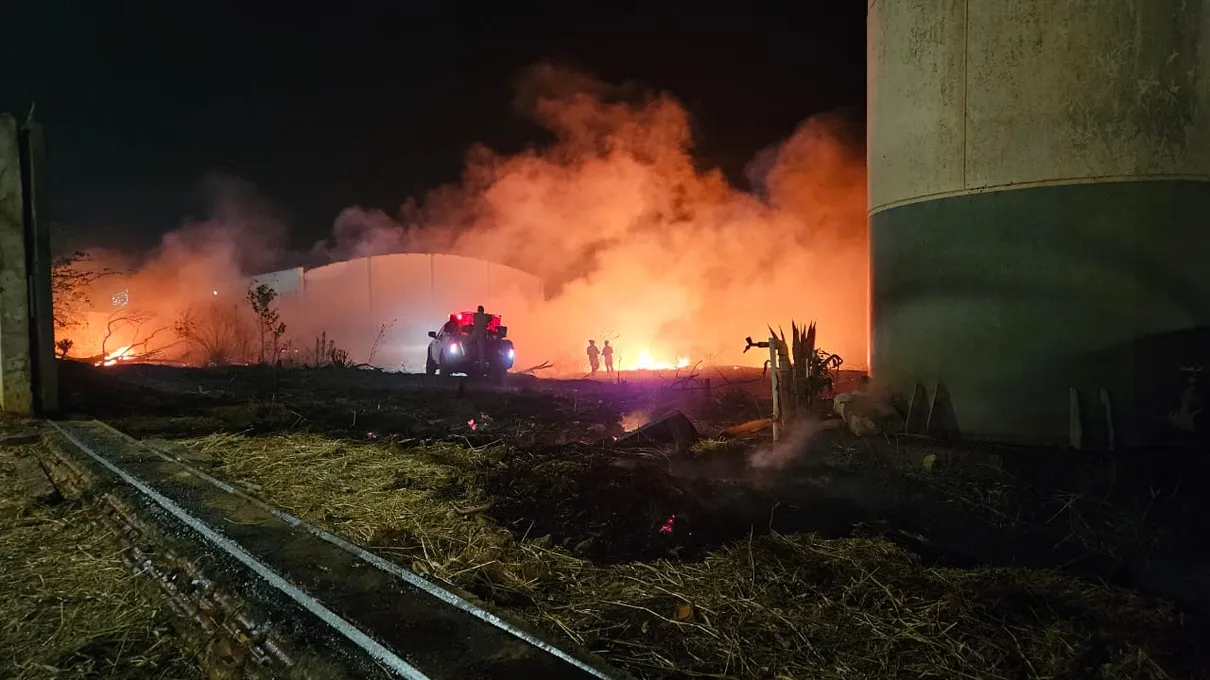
(594, 361)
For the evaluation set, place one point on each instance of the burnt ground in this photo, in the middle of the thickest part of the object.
(542, 457)
(557, 473)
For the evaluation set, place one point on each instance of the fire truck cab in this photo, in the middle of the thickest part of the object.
(452, 350)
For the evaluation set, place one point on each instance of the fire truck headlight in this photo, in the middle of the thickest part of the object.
(512, 353)
(454, 348)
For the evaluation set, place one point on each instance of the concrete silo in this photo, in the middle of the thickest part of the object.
(1040, 208)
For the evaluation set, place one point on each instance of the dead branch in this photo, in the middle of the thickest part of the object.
(122, 318)
(136, 348)
(474, 510)
(382, 333)
(540, 367)
(143, 352)
(682, 381)
(727, 382)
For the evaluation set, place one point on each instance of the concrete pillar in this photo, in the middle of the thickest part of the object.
(39, 264)
(16, 380)
(1039, 203)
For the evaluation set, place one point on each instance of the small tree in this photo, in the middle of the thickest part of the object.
(268, 321)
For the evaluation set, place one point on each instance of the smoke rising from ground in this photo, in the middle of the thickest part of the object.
(196, 267)
(776, 456)
(636, 243)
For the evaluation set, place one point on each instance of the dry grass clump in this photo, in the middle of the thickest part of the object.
(799, 606)
(772, 606)
(418, 506)
(710, 447)
(68, 606)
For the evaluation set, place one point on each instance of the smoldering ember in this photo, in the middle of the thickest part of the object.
(602, 408)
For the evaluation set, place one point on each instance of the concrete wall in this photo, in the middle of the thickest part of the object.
(1039, 191)
(16, 394)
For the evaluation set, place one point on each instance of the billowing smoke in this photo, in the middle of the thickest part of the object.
(635, 242)
(197, 267)
(639, 245)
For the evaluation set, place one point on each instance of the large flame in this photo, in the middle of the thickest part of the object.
(120, 354)
(646, 362)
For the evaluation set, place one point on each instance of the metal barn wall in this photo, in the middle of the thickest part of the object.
(416, 292)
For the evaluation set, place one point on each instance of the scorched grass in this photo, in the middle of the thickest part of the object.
(775, 606)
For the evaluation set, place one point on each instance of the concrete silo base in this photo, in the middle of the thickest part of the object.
(1012, 297)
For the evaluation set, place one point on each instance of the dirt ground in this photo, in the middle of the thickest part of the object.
(68, 606)
(826, 556)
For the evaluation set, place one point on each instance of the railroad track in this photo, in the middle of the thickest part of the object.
(280, 597)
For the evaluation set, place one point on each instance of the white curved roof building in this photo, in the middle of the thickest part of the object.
(409, 293)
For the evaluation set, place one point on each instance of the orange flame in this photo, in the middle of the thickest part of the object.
(645, 362)
(119, 354)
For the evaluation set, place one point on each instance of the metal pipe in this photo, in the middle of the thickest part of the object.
(775, 380)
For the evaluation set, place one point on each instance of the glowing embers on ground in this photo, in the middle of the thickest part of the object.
(120, 354)
(645, 362)
(634, 420)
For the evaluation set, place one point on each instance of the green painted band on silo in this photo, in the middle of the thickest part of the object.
(1012, 297)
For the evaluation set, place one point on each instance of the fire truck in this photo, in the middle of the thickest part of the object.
(452, 349)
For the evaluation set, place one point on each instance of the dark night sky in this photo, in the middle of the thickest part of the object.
(324, 105)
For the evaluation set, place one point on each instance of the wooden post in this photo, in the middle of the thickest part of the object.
(1075, 426)
(1110, 431)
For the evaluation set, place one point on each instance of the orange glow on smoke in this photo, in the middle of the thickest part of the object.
(633, 240)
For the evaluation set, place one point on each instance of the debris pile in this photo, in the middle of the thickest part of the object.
(867, 414)
(674, 428)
